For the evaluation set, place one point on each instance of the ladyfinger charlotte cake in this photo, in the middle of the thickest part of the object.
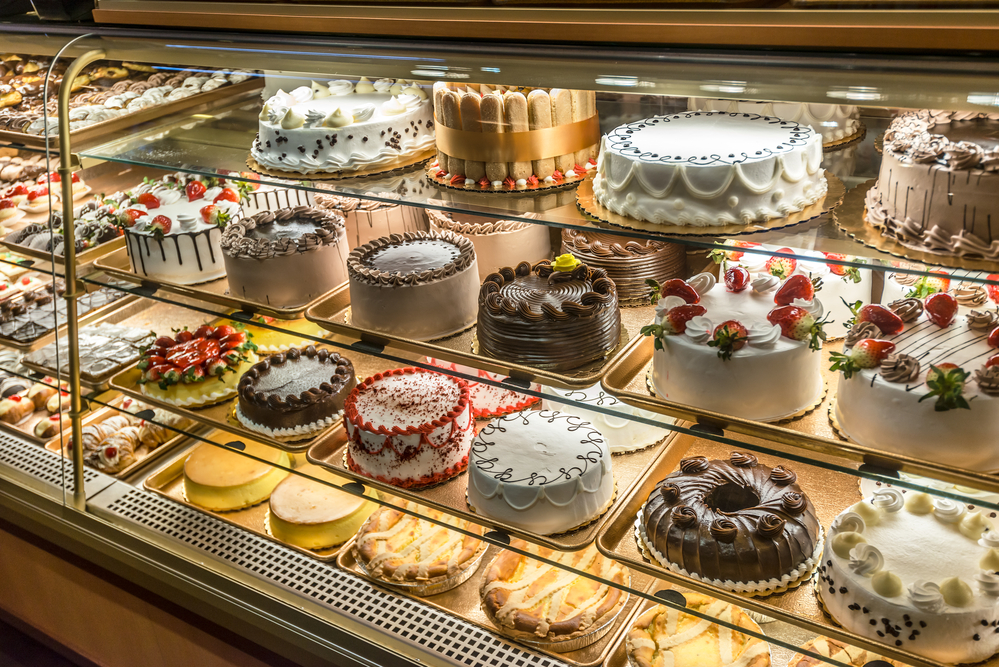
(342, 126)
(498, 243)
(936, 190)
(737, 524)
(709, 168)
(557, 315)
(295, 395)
(834, 122)
(488, 400)
(916, 572)
(543, 472)
(287, 257)
(543, 605)
(921, 372)
(409, 427)
(418, 285)
(224, 480)
(557, 133)
(714, 344)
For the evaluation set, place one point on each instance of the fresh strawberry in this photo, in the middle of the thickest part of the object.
(232, 357)
(184, 336)
(195, 190)
(994, 338)
(845, 272)
(673, 287)
(946, 383)
(867, 353)
(164, 342)
(941, 308)
(737, 279)
(675, 322)
(128, 217)
(203, 331)
(881, 317)
(170, 376)
(253, 183)
(222, 331)
(154, 373)
(227, 194)
(216, 367)
(927, 285)
(795, 287)
(719, 255)
(798, 324)
(728, 337)
(782, 267)
(160, 226)
(213, 215)
(193, 374)
(993, 290)
(149, 200)
(992, 361)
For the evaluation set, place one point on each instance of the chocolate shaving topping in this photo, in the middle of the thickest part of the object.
(770, 525)
(743, 459)
(782, 476)
(694, 464)
(899, 368)
(988, 380)
(911, 139)
(684, 516)
(860, 331)
(907, 309)
(794, 502)
(724, 530)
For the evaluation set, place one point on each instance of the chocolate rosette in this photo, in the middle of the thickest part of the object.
(693, 465)
(743, 459)
(782, 476)
(359, 267)
(283, 232)
(770, 525)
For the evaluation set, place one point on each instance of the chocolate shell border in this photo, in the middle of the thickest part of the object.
(329, 224)
(342, 375)
(358, 270)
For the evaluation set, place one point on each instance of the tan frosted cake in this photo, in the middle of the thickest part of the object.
(368, 219)
(498, 243)
(223, 480)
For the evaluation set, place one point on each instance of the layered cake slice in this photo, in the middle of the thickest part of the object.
(498, 243)
(224, 480)
(418, 285)
(556, 315)
(287, 257)
(409, 427)
(295, 395)
(544, 472)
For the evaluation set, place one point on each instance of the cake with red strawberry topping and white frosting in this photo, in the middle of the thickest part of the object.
(921, 373)
(716, 343)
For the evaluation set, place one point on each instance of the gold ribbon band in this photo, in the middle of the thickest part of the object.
(540, 144)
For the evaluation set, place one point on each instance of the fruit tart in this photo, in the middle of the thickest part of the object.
(196, 368)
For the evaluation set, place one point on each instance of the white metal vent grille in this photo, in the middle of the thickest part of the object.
(33, 463)
(450, 637)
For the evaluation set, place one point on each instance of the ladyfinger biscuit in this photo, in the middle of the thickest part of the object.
(471, 121)
(562, 115)
(493, 122)
(439, 89)
(539, 107)
(580, 111)
(451, 103)
(591, 105)
(517, 121)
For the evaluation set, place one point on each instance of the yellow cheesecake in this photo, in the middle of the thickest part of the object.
(311, 515)
(269, 341)
(223, 480)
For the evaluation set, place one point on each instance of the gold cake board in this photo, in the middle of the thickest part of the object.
(588, 204)
(565, 184)
(840, 144)
(381, 170)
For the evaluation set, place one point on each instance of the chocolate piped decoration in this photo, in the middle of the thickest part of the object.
(900, 368)
(743, 459)
(907, 309)
(694, 464)
(684, 516)
(770, 525)
(860, 331)
(670, 493)
(724, 530)
(794, 502)
(988, 380)
(782, 476)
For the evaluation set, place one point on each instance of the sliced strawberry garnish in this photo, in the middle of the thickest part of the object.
(680, 288)
(795, 287)
(884, 319)
(867, 353)
(149, 200)
(195, 190)
(737, 279)
(941, 308)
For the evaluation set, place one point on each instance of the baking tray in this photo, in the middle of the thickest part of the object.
(144, 457)
(449, 497)
(168, 481)
(463, 602)
(116, 264)
(334, 314)
(100, 132)
(26, 428)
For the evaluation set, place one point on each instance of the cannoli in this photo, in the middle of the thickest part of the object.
(493, 121)
(117, 452)
(49, 428)
(15, 409)
(471, 121)
(517, 121)
(40, 393)
(153, 435)
(57, 402)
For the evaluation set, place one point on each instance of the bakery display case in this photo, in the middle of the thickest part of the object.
(421, 358)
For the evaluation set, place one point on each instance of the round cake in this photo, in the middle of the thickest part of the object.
(833, 122)
(543, 472)
(224, 480)
(737, 524)
(489, 400)
(628, 262)
(558, 316)
(709, 168)
(916, 572)
(498, 243)
(542, 604)
(621, 434)
(295, 395)
(662, 636)
(342, 126)
(367, 220)
(285, 258)
(426, 558)
(309, 514)
(837, 651)
(934, 381)
(715, 347)
(266, 197)
(269, 341)
(936, 190)
(409, 427)
(418, 285)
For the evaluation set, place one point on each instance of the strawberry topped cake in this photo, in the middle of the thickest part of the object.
(196, 368)
(716, 343)
(921, 373)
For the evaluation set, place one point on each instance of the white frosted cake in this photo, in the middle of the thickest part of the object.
(489, 400)
(418, 285)
(694, 364)
(409, 427)
(621, 434)
(834, 122)
(544, 472)
(176, 234)
(498, 243)
(341, 126)
(272, 198)
(709, 168)
(915, 572)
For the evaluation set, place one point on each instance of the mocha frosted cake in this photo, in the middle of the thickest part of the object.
(498, 243)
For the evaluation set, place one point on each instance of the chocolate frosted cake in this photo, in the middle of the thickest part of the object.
(498, 243)
(368, 220)
(295, 394)
(628, 262)
(557, 315)
(737, 524)
(418, 285)
(285, 258)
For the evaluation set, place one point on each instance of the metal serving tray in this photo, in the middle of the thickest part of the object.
(26, 428)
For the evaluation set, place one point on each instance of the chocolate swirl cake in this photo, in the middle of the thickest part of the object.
(285, 258)
(295, 394)
(628, 262)
(556, 316)
(737, 524)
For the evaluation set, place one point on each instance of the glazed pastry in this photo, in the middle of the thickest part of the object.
(50, 428)
(11, 386)
(153, 435)
(94, 434)
(57, 402)
(40, 393)
(15, 409)
(836, 651)
(117, 452)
